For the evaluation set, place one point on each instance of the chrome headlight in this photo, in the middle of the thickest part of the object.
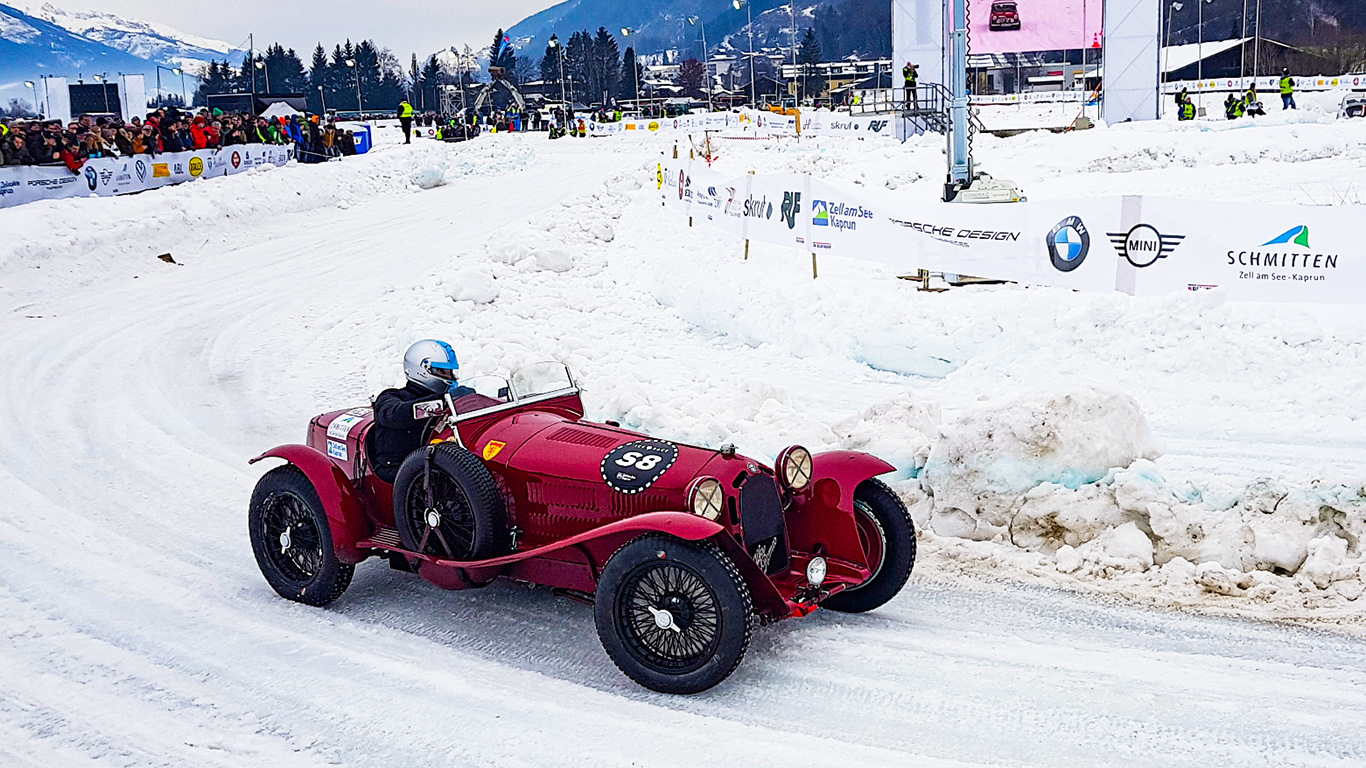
(815, 571)
(794, 467)
(707, 498)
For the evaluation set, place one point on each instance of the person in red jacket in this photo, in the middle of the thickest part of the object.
(199, 136)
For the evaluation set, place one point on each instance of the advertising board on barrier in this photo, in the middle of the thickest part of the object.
(1135, 245)
(107, 176)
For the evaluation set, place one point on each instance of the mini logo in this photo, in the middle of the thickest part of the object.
(682, 183)
(1143, 245)
(876, 126)
(1068, 244)
(141, 168)
(820, 213)
(792, 205)
(236, 160)
(493, 448)
(654, 126)
(161, 170)
(92, 178)
(1297, 235)
(196, 167)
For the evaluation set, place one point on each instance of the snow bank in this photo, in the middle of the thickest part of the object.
(85, 239)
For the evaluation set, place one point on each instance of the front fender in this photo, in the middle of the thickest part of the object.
(345, 516)
(847, 469)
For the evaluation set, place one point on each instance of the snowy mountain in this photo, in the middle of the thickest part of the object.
(157, 43)
(31, 47)
(663, 25)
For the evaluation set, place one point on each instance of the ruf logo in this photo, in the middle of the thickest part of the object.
(876, 126)
(792, 205)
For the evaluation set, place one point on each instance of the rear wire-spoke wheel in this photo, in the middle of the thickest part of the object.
(674, 616)
(292, 540)
(447, 505)
(887, 534)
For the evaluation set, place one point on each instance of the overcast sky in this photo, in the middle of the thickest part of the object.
(405, 26)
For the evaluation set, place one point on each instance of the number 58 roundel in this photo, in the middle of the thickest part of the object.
(635, 466)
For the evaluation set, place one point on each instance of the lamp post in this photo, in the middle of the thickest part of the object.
(559, 54)
(261, 65)
(749, 17)
(104, 88)
(355, 70)
(34, 86)
(706, 57)
(1200, 40)
(635, 68)
(1166, 49)
(323, 96)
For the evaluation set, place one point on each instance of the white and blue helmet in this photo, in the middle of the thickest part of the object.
(432, 364)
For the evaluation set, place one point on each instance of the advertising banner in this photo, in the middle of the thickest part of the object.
(1016, 26)
(1135, 245)
(106, 176)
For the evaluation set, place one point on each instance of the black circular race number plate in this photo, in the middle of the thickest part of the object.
(633, 467)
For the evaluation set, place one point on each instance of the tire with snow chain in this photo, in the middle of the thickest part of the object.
(673, 615)
(888, 536)
(292, 540)
(447, 505)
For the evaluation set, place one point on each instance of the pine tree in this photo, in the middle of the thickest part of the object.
(631, 73)
(576, 65)
(606, 65)
(550, 66)
(691, 76)
(502, 55)
(432, 75)
(317, 78)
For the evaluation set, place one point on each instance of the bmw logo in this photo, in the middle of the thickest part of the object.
(1068, 244)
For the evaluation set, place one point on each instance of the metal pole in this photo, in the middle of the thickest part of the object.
(159, 94)
(960, 161)
(749, 15)
(1242, 66)
(323, 96)
(706, 65)
(251, 65)
(1200, 41)
(1257, 42)
(184, 95)
(359, 108)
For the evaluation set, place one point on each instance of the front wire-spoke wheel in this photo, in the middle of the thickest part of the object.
(673, 615)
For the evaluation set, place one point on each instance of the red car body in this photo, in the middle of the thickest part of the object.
(568, 514)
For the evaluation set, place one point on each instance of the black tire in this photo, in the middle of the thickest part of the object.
(447, 505)
(703, 598)
(292, 540)
(885, 525)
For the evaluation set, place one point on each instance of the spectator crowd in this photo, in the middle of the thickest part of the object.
(48, 142)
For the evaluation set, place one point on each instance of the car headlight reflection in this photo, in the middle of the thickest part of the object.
(796, 467)
(707, 498)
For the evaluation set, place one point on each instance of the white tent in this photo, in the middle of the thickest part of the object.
(279, 109)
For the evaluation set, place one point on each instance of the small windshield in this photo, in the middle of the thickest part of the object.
(489, 391)
(540, 379)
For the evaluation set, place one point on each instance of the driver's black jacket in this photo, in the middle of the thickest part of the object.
(396, 433)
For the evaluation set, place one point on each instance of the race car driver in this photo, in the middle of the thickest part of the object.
(433, 371)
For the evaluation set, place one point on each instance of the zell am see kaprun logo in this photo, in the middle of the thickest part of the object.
(838, 215)
(1143, 245)
(1287, 256)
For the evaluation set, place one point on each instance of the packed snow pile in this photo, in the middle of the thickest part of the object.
(1063, 487)
(986, 456)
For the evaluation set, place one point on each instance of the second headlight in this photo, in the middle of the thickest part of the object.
(794, 466)
(707, 498)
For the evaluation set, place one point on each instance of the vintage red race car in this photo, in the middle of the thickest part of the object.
(680, 549)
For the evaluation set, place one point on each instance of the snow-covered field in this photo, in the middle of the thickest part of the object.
(1180, 452)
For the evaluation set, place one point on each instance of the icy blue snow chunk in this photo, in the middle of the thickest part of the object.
(907, 361)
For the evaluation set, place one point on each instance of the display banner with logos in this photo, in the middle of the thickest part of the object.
(106, 176)
(1136, 245)
(1269, 86)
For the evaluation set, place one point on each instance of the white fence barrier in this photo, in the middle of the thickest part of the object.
(1271, 85)
(1136, 245)
(105, 176)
